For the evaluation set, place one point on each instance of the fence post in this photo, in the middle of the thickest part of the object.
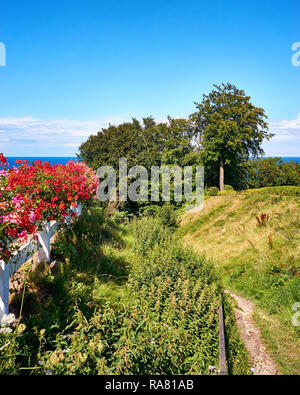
(43, 250)
(44, 244)
(4, 287)
(78, 210)
(222, 342)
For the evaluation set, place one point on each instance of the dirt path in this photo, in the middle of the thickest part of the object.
(260, 360)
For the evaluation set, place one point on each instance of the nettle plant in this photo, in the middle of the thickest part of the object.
(31, 195)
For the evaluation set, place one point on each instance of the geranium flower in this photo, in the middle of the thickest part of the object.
(31, 194)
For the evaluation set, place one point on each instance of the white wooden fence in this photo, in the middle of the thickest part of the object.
(41, 247)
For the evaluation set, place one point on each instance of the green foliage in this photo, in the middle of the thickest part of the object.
(121, 217)
(184, 290)
(229, 125)
(148, 232)
(148, 210)
(279, 191)
(257, 259)
(227, 193)
(268, 172)
(226, 130)
(174, 328)
(142, 144)
(228, 190)
(211, 191)
(147, 309)
(230, 128)
(145, 144)
(167, 215)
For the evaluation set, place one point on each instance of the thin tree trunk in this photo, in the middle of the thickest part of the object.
(222, 174)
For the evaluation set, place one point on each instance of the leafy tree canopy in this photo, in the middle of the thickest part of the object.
(272, 172)
(146, 144)
(230, 128)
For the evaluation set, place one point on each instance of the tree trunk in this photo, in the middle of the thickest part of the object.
(222, 174)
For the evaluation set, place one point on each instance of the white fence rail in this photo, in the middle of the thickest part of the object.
(41, 247)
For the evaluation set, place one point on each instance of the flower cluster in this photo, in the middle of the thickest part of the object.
(33, 194)
(6, 320)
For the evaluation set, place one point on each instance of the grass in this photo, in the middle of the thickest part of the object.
(259, 261)
(120, 300)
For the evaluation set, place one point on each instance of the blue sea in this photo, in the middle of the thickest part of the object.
(53, 160)
(62, 160)
(294, 158)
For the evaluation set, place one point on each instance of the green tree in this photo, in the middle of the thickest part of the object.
(132, 140)
(145, 143)
(230, 128)
(179, 146)
(266, 172)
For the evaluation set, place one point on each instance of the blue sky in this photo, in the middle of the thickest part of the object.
(73, 66)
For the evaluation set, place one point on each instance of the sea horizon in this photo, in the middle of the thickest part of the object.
(62, 160)
(53, 160)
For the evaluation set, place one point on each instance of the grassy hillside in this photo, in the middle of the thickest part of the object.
(254, 241)
(123, 300)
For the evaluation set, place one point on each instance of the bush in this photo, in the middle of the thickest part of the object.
(181, 293)
(120, 216)
(148, 210)
(162, 319)
(227, 192)
(148, 232)
(167, 215)
(174, 327)
(268, 172)
(279, 190)
(212, 191)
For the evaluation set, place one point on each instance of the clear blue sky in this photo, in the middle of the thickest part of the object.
(75, 65)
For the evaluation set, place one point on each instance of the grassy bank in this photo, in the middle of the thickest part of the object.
(120, 300)
(254, 240)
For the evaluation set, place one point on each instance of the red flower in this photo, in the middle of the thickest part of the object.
(39, 192)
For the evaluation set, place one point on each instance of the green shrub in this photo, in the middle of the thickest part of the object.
(212, 191)
(227, 192)
(148, 232)
(161, 319)
(269, 172)
(167, 215)
(181, 292)
(121, 216)
(148, 210)
(278, 190)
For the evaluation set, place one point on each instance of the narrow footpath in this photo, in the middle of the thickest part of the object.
(260, 360)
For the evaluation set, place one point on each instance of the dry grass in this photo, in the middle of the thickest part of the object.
(258, 259)
(281, 343)
(232, 231)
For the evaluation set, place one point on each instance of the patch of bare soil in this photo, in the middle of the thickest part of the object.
(261, 362)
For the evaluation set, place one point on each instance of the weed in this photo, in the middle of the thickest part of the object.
(262, 220)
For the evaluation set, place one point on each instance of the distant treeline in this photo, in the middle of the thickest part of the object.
(269, 172)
